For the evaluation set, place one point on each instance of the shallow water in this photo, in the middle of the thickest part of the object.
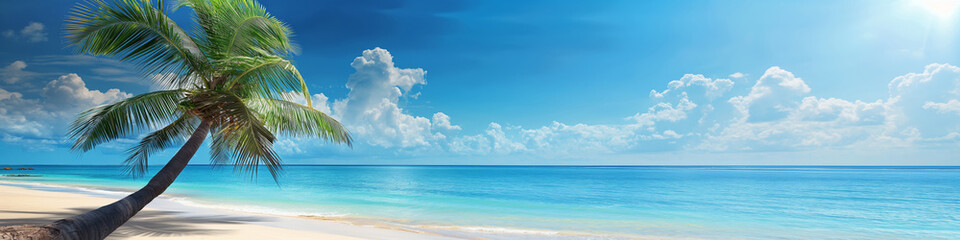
(540, 202)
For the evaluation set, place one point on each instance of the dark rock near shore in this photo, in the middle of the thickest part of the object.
(21, 175)
(6, 168)
(30, 168)
(23, 168)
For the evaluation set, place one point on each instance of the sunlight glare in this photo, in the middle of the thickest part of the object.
(941, 8)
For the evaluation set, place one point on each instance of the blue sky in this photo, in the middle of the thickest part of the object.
(558, 82)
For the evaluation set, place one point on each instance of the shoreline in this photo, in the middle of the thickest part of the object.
(624, 203)
(165, 218)
(328, 226)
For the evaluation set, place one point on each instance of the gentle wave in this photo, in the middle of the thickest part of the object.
(186, 201)
(488, 229)
(345, 218)
(67, 188)
(253, 209)
(605, 202)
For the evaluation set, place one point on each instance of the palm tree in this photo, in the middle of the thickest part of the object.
(229, 77)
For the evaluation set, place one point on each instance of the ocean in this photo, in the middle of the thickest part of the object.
(588, 202)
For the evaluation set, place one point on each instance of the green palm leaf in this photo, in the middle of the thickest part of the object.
(267, 77)
(175, 133)
(124, 118)
(240, 28)
(137, 32)
(230, 72)
(238, 134)
(296, 120)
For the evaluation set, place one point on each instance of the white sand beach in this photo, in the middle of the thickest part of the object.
(166, 219)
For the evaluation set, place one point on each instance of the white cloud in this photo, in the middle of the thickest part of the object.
(100, 68)
(442, 121)
(561, 139)
(709, 88)
(46, 116)
(493, 140)
(21, 116)
(684, 104)
(738, 75)
(14, 72)
(669, 136)
(33, 32)
(70, 92)
(109, 71)
(772, 97)
(920, 111)
(920, 103)
(665, 112)
(287, 146)
(776, 116)
(320, 101)
(693, 113)
(839, 110)
(371, 109)
(951, 106)
(502, 144)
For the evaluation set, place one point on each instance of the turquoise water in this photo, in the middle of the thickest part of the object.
(697, 202)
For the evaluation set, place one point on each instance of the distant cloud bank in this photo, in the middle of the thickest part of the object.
(694, 113)
(33, 32)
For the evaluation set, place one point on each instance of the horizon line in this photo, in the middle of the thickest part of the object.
(518, 165)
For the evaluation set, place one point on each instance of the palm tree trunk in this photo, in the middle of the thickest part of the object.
(99, 223)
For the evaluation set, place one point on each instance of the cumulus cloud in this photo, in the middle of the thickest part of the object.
(493, 140)
(684, 104)
(21, 116)
(373, 113)
(69, 92)
(14, 72)
(738, 75)
(33, 32)
(698, 85)
(442, 121)
(287, 146)
(46, 116)
(920, 103)
(772, 97)
(559, 138)
(320, 102)
(777, 114)
(921, 111)
(665, 112)
(371, 109)
(693, 113)
(840, 111)
(951, 106)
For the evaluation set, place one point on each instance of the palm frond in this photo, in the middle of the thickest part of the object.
(229, 71)
(295, 120)
(267, 77)
(138, 32)
(240, 28)
(173, 134)
(238, 134)
(126, 117)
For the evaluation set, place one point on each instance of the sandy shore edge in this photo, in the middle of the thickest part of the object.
(22, 203)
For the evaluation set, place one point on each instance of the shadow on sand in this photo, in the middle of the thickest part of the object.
(146, 223)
